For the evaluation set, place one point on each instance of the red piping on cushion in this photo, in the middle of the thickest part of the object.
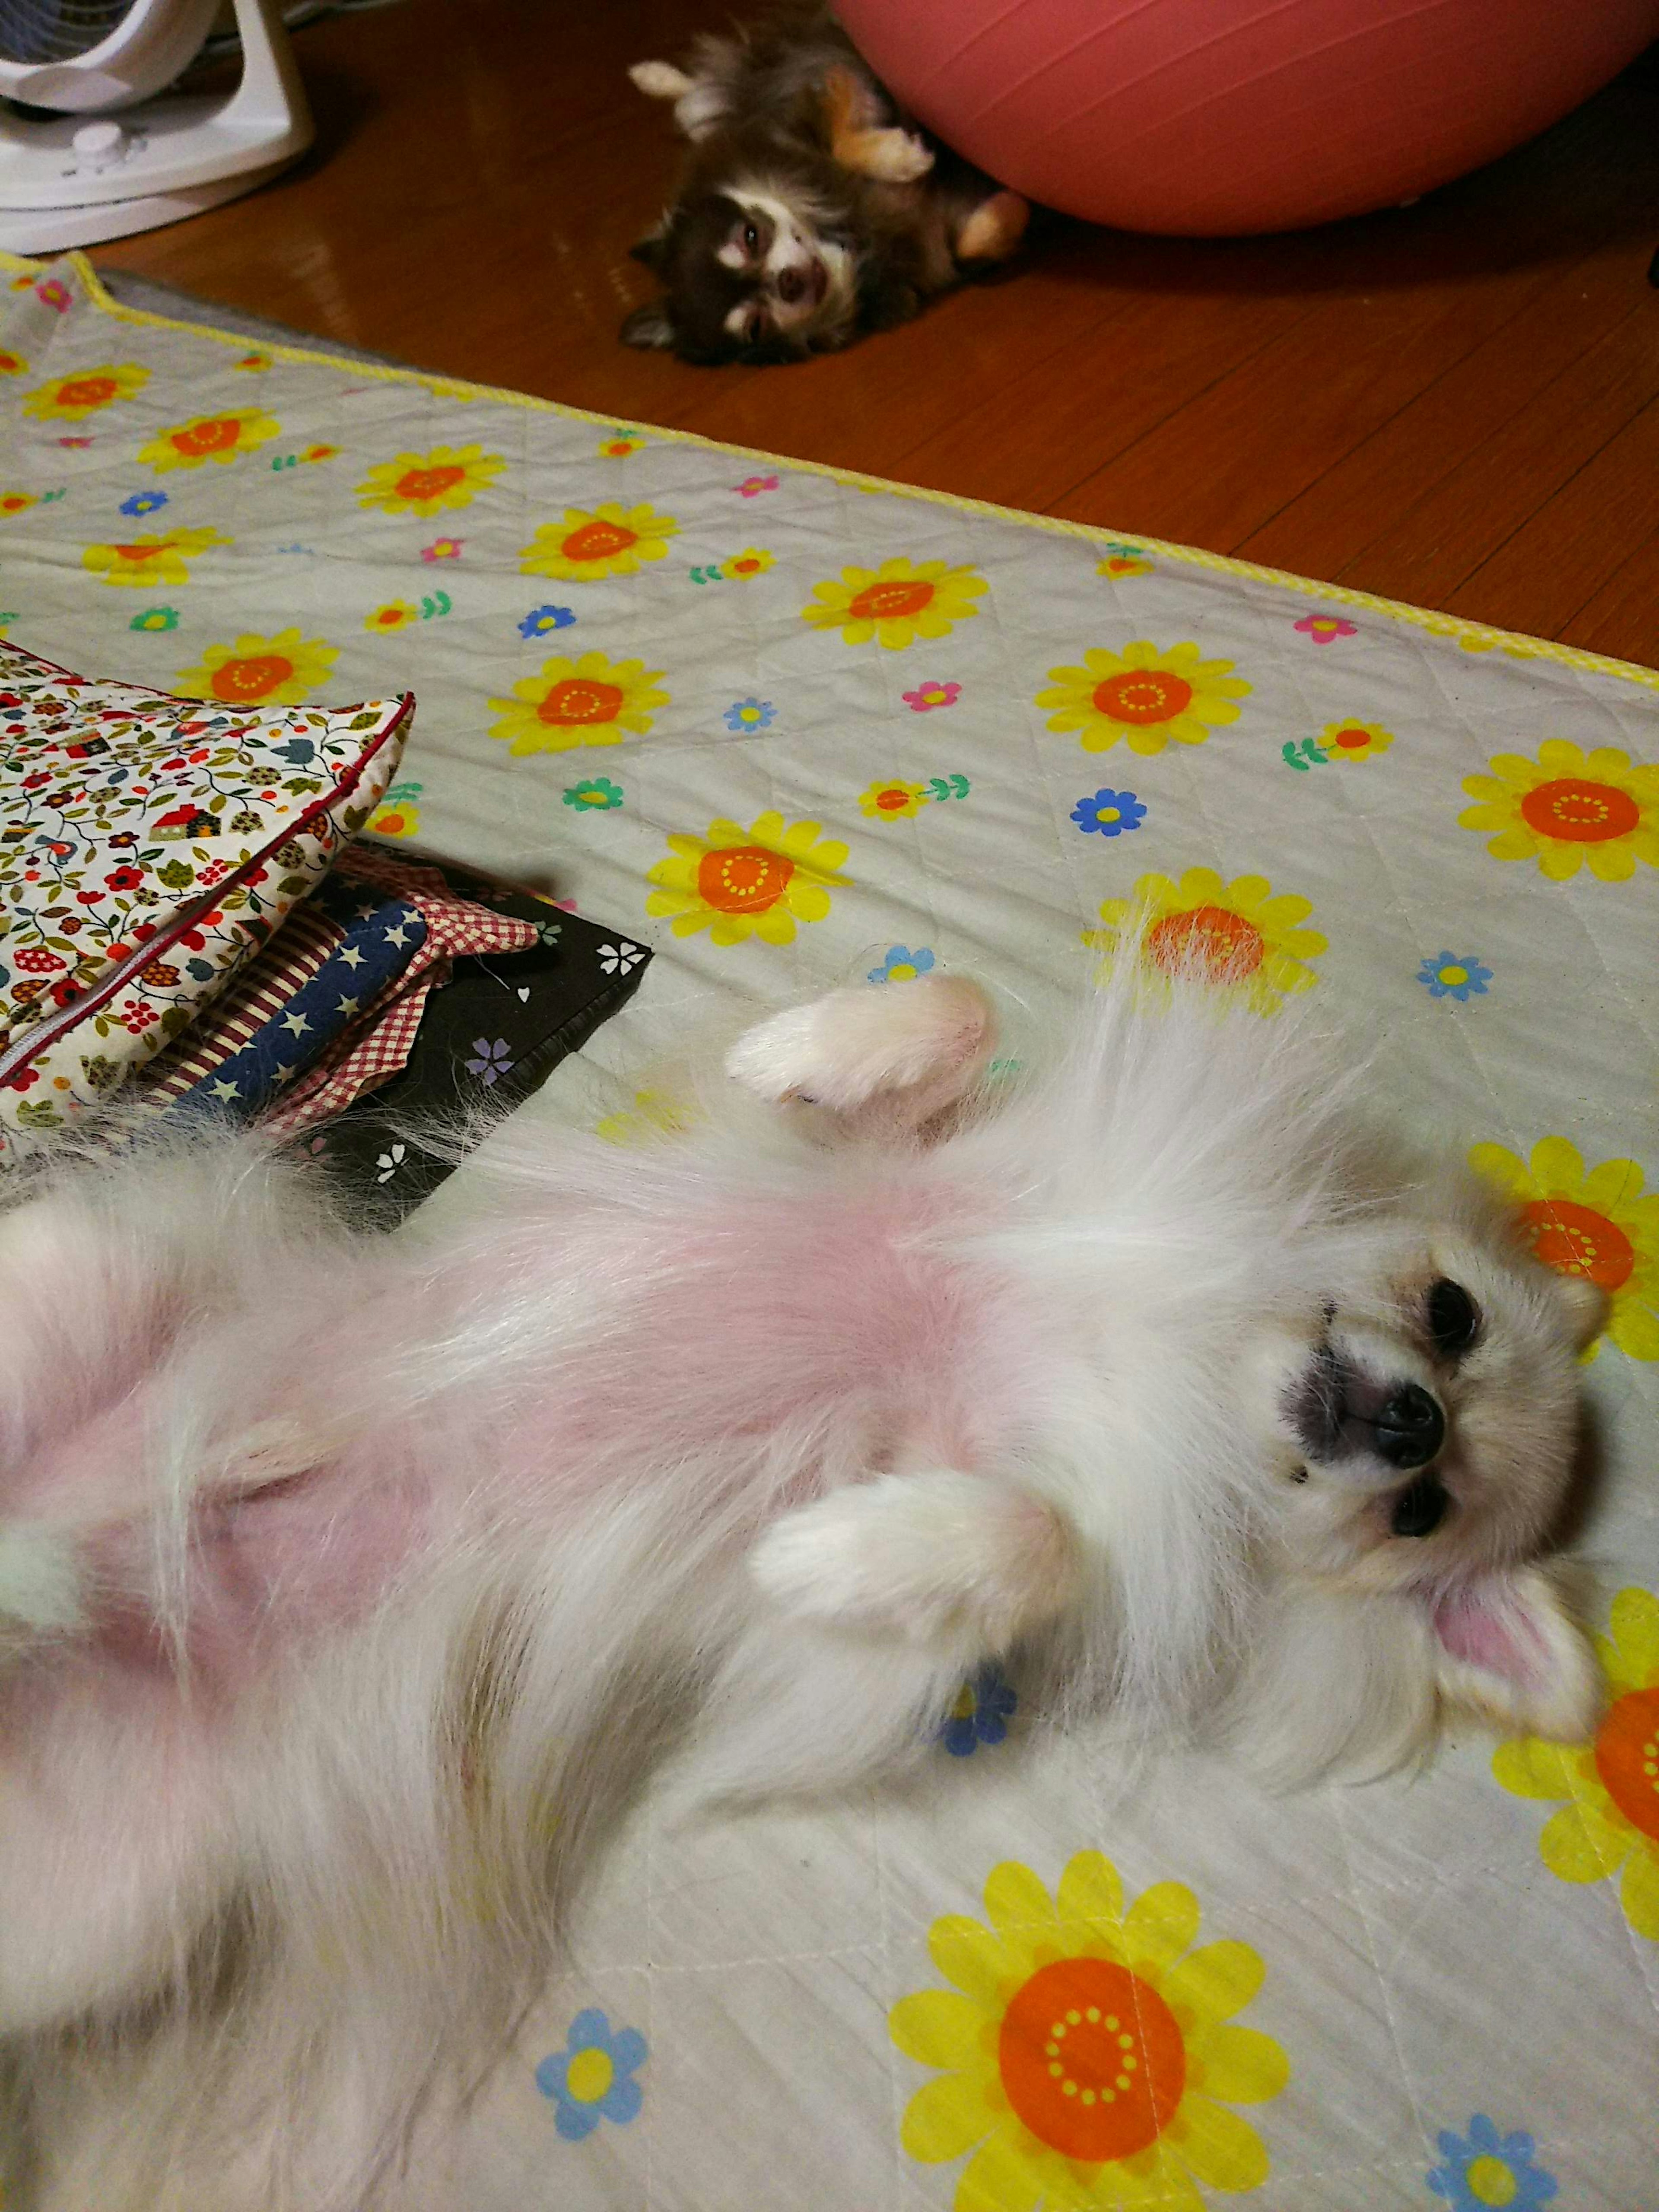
(28, 1047)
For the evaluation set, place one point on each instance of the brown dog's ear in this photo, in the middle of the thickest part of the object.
(650, 326)
(653, 248)
(1507, 1648)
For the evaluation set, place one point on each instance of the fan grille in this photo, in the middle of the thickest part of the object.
(56, 30)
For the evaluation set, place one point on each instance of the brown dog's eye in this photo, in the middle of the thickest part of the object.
(751, 236)
(1454, 1318)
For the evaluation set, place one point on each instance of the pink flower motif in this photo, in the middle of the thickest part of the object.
(752, 486)
(51, 294)
(443, 549)
(75, 444)
(1322, 628)
(929, 696)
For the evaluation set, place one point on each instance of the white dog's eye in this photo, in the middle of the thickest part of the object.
(1454, 1318)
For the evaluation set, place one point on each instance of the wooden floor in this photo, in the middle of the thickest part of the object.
(1455, 403)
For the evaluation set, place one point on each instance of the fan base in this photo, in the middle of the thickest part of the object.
(45, 230)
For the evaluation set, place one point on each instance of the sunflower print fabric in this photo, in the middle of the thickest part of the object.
(795, 730)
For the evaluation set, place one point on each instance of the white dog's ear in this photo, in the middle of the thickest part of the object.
(1587, 1305)
(1507, 1648)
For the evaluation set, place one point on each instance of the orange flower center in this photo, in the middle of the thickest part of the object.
(742, 878)
(1211, 941)
(86, 391)
(579, 699)
(1627, 1758)
(216, 437)
(429, 483)
(144, 552)
(16, 501)
(890, 602)
(1092, 2060)
(1141, 697)
(1582, 812)
(893, 800)
(392, 618)
(599, 541)
(256, 677)
(1353, 741)
(1575, 1240)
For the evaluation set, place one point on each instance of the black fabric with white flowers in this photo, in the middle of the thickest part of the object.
(489, 1036)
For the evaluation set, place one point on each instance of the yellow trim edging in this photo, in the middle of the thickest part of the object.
(1473, 636)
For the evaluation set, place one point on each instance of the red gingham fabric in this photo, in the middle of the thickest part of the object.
(379, 1043)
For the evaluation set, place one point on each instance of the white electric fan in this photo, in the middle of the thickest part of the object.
(92, 151)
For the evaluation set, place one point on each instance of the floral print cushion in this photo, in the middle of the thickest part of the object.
(147, 846)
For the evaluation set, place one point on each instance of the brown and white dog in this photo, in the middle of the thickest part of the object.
(810, 209)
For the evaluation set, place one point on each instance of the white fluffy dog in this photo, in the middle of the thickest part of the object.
(350, 1586)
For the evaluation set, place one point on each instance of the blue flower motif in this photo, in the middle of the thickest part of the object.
(751, 714)
(980, 1713)
(493, 1060)
(299, 751)
(155, 618)
(900, 964)
(591, 2079)
(1111, 813)
(143, 503)
(1449, 976)
(540, 620)
(1490, 2169)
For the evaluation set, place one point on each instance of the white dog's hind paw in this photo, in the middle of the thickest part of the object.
(941, 1561)
(923, 1043)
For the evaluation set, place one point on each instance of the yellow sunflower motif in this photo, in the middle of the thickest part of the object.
(757, 881)
(1124, 564)
(425, 483)
(619, 445)
(1355, 741)
(1595, 1224)
(222, 438)
(259, 671)
(395, 613)
(611, 541)
(147, 560)
(654, 1114)
(753, 561)
(590, 701)
(1236, 935)
(1567, 810)
(1148, 694)
(895, 604)
(396, 818)
(1090, 2051)
(18, 502)
(72, 399)
(892, 801)
(1610, 1823)
(12, 364)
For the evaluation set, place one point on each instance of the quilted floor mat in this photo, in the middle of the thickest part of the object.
(794, 729)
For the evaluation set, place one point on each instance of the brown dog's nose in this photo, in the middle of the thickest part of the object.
(1410, 1427)
(791, 286)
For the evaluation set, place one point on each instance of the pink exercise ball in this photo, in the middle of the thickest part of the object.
(1210, 118)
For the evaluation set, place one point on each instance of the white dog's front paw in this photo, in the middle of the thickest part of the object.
(929, 1039)
(941, 1561)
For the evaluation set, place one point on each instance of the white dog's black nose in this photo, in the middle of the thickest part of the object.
(1410, 1427)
